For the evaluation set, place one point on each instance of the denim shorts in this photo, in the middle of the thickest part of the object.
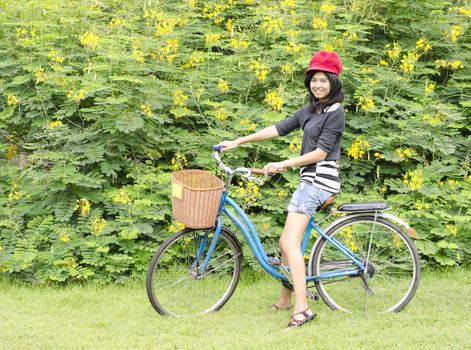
(307, 198)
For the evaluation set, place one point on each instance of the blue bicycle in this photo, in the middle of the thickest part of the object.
(363, 261)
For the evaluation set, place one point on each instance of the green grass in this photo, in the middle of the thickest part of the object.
(120, 317)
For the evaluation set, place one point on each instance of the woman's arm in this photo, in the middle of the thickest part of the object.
(264, 134)
(309, 158)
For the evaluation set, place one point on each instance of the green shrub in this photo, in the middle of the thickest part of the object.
(101, 100)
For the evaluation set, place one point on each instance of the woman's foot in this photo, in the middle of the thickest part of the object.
(300, 318)
(280, 306)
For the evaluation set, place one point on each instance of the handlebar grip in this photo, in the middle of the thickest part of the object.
(217, 148)
(257, 171)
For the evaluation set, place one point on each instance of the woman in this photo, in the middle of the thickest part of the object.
(322, 121)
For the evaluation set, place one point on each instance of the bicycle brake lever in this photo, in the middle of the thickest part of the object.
(253, 178)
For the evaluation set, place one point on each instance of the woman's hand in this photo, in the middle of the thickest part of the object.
(227, 145)
(273, 168)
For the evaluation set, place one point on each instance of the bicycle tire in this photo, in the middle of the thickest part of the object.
(394, 270)
(175, 287)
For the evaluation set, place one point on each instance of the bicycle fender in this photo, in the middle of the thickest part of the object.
(400, 222)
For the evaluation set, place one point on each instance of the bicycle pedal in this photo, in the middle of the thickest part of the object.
(312, 295)
(274, 261)
(285, 271)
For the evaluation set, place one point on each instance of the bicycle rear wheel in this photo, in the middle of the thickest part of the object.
(175, 282)
(393, 272)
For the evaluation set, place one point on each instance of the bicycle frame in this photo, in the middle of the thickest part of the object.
(242, 221)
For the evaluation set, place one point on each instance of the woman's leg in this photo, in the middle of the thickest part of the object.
(290, 243)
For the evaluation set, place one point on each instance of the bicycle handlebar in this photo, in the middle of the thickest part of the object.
(245, 172)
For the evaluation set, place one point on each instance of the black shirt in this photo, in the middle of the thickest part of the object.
(320, 130)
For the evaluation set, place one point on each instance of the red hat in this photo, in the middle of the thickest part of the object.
(326, 61)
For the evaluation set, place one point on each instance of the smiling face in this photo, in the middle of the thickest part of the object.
(320, 86)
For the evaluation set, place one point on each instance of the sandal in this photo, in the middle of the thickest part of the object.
(298, 323)
(275, 307)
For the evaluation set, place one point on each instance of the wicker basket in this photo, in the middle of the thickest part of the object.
(196, 195)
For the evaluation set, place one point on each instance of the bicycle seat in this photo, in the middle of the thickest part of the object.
(328, 203)
(363, 206)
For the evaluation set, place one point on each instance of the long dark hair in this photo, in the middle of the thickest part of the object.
(336, 92)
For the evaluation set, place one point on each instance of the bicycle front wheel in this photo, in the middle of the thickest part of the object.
(176, 282)
(393, 268)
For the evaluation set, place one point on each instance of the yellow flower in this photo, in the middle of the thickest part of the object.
(282, 193)
(451, 229)
(70, 263)
(328, 47)
(199, 93)
(383, 63)
(429, 88)
(287, 4)
(90, 40)
(327, 8)
(421, 205)
(423, 44)
(223, 86)
(274, 101)
(250, 193)
(453, 65)
(55, 57)
(394, 52)
(461, 10)
(413, 179)
(397, 241)
(55, 123)
(83, 206)
(12, 100)
(64, 237)
(146, 109)
(14, 196)
(408, 61)
(179, 98)
(366, 103)
(179, 161)
(221, 114)
(292, 34)
(174, 228)
(271, 24)
(11, 152)
(260, 69)
(196, 59)
(40, 75)
(287, 69)
(359, 148)
(239, 44)
(76, 96)
(453, 184)
(169, 51)
(350, 35)
(455, 33)
(230, 25)
(319, 23)
(293, 48)
(98, 226)
(122, 197)
(248, 125)
(116, 23)
(379, 155)
(295, 144)
(212, 39)
(405, 154)
(138, 56)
